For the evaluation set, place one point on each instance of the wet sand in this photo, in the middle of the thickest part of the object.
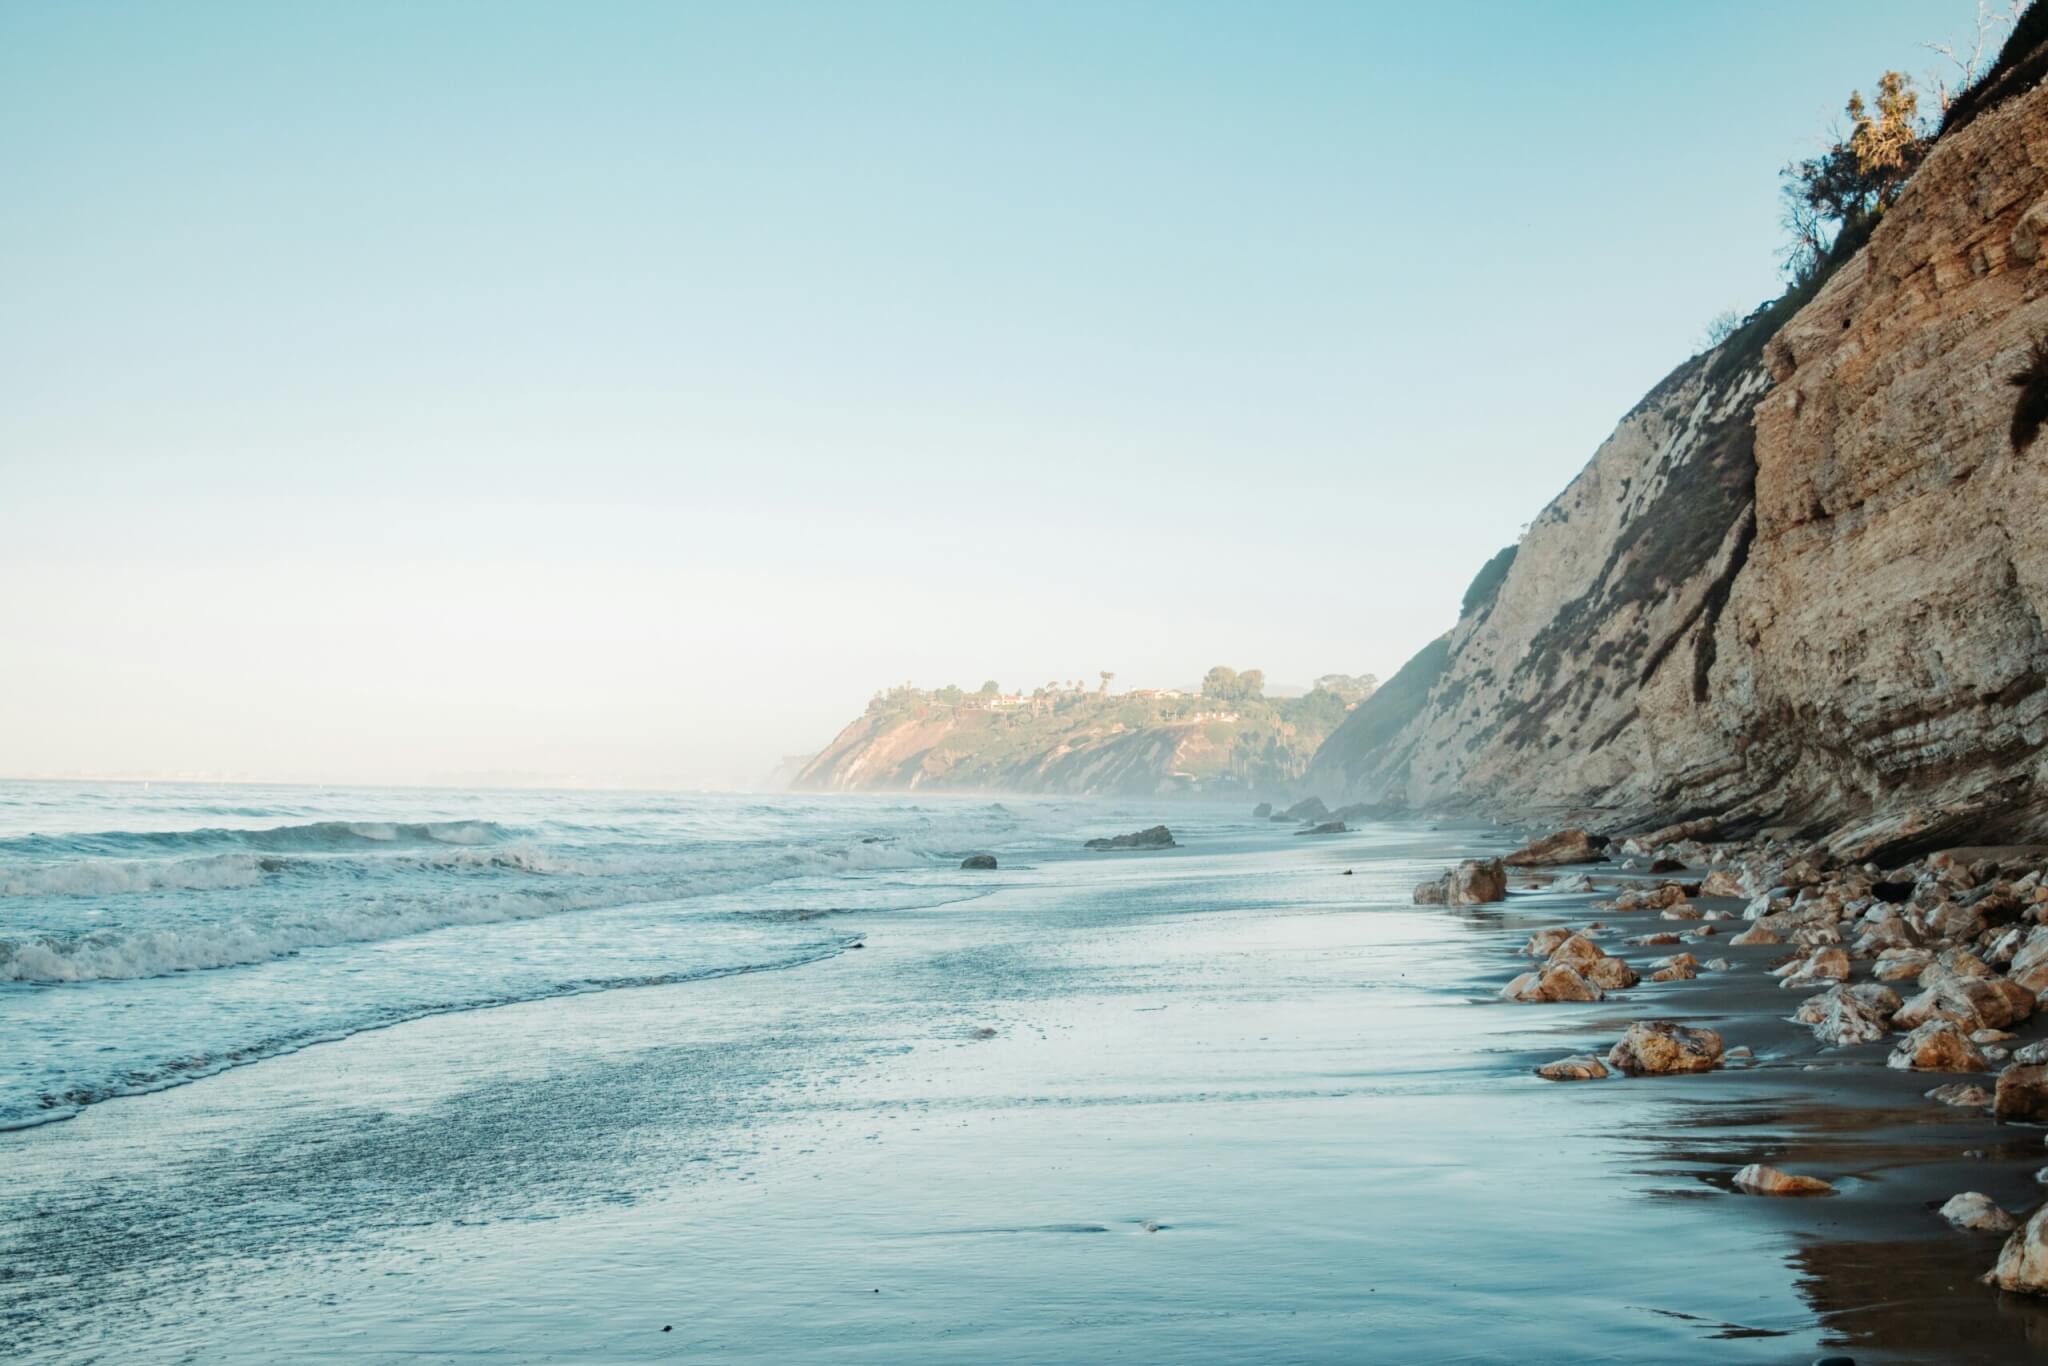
(1218, 1103)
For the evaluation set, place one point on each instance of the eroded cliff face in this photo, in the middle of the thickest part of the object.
(1808, 591)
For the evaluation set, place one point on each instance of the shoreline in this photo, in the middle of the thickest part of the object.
(1223, 1100)
(1842, 996)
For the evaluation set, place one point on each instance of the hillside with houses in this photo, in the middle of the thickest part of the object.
(1227, 736)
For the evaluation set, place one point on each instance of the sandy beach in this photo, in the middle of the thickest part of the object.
(1237, 1100)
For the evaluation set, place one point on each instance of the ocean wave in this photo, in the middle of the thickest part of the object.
(243, 939)
(335, 836)
(112, 877)
(54, 1106)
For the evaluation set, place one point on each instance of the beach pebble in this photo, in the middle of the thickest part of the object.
(1660, 1047)
(1741, 1051)
(1578, 1067)
(1975, 1212)
(1759, 1179)
(1719, 965)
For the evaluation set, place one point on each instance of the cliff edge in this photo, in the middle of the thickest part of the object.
(1801, 587)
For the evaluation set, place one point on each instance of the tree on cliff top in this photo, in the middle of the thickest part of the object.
(1845, 188)
(1224, 684)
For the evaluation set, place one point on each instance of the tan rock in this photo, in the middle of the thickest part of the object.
(1757, 934)
(2022, 1094)
(1962, 1094)
(1937, 1046)
(1837, 1016)
(2023, 1261)
(1900, 965)
(1543, 942)
(1552, 982)
(1566, 846)
(1974, 1212)
(1722, 882)
(1759, 1179)
(1578, 1067)
(1819, 968)
(1660, 1047)
(1679, 967)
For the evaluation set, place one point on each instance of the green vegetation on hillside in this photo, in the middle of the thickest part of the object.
(1230, 735)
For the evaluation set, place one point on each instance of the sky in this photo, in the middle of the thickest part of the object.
(621, 393)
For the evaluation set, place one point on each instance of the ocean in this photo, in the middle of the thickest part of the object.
(300, 1074)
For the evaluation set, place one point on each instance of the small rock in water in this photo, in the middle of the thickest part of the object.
(1156, 837)
(1759, 1179)
(1975, 1212)
(978, 861)
(1578, 1067)
(1659, 1047)
(1552, 982)
(1962, 1094)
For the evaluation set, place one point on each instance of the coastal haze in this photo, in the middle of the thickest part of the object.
(478, 394)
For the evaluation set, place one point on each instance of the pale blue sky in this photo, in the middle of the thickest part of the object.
(625, 391)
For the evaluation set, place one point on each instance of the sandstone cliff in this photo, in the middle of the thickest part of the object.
(1802, 588)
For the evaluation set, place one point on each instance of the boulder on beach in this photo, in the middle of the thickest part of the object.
(1972, 1002)
(1976, 1212)
(1900, 964)
(1757, 934)
(1158, 837)
(1759, 1179)
(978, 861)
(1566, 846)
(1542, 943)
(1937, 1046)
(1842, 1016)
(1262, 810)
(1722, 882)
(1572, 882)
(1650, 898)
(1326, 828)
(1593, 963)
(1661, 1048)
(1679, 967)
(1474, 882)
(2023, 1261)
(1551, 982)
(2022, 1093)
(1308, 809)
(1578, 1067)
(1819, 968)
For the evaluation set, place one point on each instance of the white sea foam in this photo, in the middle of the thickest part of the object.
(110, 877)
